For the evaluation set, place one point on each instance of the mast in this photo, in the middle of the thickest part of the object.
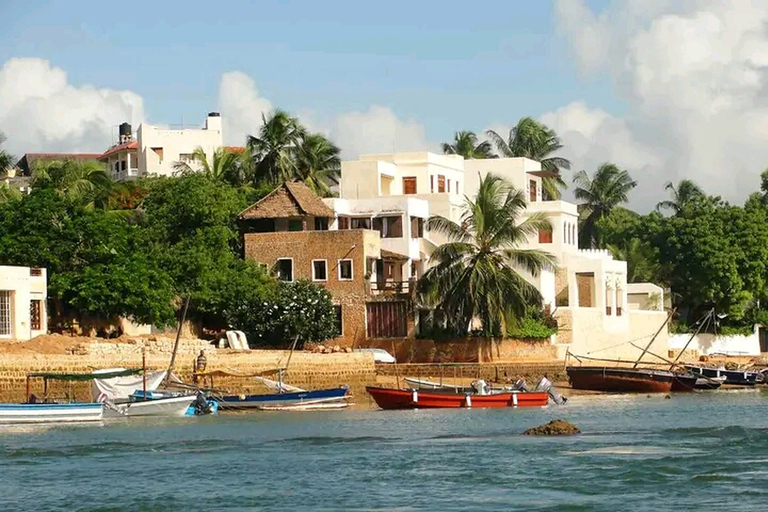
(647, 347)
(176, 343)
(704, 320)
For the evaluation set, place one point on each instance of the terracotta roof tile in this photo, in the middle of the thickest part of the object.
(291, 199)
(115, 149)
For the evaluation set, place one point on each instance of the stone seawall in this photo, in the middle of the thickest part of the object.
(306, 370)
(490, 372)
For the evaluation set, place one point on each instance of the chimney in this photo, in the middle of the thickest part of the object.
(213, 121)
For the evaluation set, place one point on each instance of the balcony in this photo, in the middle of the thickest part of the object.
(392, 287)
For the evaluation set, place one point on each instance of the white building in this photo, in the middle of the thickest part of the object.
(23, 294)
(587, 291)
(155, 149)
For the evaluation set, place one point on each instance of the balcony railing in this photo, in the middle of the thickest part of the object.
(392, 287)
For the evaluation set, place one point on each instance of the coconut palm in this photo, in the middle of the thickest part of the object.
(531, 139)
(317, 163)
(9, 194)
(273, 150)
(224, 166)
(642, 261)
(86, 181)
(682, 195)
(465, 143)
(6, 159)
(475, 274)
(609, 188)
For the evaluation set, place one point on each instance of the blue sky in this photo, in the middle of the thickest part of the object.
(449, 65)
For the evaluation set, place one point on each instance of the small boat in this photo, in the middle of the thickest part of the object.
(201, 405)
(621, 380)
(166, 406)
(428, 384)
(235, 402)
(388, 398)
(74, 412)
(321, 406)
(734, 377)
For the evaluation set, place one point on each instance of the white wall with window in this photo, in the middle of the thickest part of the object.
(23, 295)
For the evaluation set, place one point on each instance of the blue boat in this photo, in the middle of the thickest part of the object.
(735, 377)
(301, 398)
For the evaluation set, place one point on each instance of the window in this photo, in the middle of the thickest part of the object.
(339, 321)
(159, 153)
(457, 188)
(5, 313)
(417, 227)
(343, 223)
(449, 186)
(117, 166)
(36, 272)
(361, 223)
(122, 165)
(432, 184)
(545, 236)
(389, 227)
(345, 270)
(186, 157)
(285, 269)
(409, 185)
(440, 183)
(321, 224)
(35, 314)
(319, 270)
(295, 225)
(532, 188)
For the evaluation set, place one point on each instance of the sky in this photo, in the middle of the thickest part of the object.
(669, 89)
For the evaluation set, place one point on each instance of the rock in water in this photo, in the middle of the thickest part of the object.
(553, 428)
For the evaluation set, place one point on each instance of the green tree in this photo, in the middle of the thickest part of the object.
(609, 188)
(273, 150)
(224, 166)
(682, 196)
(465, 143)
(6, 159)
(475, 274)
(642, 260)
(531, 139)
(317, 163)
(86, 182)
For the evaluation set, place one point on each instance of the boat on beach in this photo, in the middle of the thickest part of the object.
(732, 377)
(620, 380)
(389, 398)
(163, 406)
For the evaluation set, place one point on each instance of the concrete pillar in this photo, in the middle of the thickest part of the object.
(600, 287)
(573, 290)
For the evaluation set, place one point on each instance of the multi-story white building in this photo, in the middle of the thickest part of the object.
(155, 150)
(587, 289)
(23, 294)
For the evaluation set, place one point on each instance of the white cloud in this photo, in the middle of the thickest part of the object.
(241, 107)
(694, 75)
(41, 111)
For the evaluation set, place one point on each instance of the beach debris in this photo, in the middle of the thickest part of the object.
(553, 428)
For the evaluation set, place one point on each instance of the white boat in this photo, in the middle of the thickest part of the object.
(170, 406)
(11, 414)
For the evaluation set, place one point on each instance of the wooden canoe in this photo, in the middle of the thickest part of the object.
(620, 380)
(388, 398)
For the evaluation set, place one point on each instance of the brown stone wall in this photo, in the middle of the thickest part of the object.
(564, 319)
(496, 372)
(332, 246)
(306, 370)
(561, 287)
(473, 350)
(586, 286)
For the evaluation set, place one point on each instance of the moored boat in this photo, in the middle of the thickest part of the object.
(733, 377)
(620, 380)
(235, 402)
(388, 398)
(75, 412)
(165, 406)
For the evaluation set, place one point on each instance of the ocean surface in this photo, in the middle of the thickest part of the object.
(702, 451)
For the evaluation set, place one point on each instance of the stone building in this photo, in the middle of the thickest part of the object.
(296, 236)
(23, 294)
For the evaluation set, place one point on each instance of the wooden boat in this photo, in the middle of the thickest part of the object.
(388, 398)
(734, 377)
(164, 406)
(620, 380)
(322, 406)
(74, 412)
(234, 402)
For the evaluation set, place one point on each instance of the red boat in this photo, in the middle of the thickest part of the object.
(388, 398)
(623, 380)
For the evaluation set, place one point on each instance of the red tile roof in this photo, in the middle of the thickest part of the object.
(115, 149)
(234, 149)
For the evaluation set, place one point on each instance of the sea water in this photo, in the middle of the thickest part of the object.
(637, 452)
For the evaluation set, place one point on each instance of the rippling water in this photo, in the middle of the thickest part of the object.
(636, 453)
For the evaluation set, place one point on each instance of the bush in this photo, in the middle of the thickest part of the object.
(532, 328)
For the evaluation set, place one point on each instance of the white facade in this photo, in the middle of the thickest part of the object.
(589, 287)
(710, 344)
(23, 309)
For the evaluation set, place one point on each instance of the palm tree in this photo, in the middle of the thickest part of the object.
(224, 166)
(683, 195)
(9, 194)
(86, 181)
(465, 143)
(642, 262)
(531, 139)
(474, 274)
(6, 159)
(317, 163)
(608, 188)
(274, 148)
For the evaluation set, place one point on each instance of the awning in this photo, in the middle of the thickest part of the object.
(390, 255)
(83, 376)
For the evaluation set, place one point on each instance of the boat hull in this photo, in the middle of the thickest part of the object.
(684, 382)
(388, 398)
(172, 406)
(733, 377)
(11, 414)
(235, 402)
(620, 380)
